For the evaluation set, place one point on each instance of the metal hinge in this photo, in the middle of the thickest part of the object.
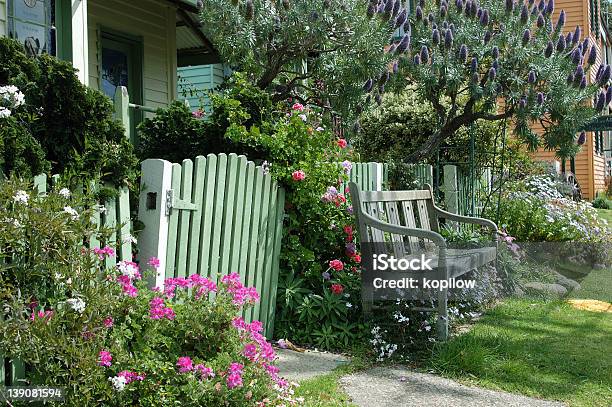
(174, 203)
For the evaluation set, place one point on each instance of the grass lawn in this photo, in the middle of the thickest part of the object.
(541, 349)
(324, 391)
(605, 214)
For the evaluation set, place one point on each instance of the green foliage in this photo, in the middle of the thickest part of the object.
(334, 40)
(63, 126)
(601, 202)
(404, 121)
(62, 308)
(475, 61)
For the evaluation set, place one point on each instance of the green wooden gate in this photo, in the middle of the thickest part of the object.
(214, 216)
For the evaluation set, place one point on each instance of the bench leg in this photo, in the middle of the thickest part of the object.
(443, 315)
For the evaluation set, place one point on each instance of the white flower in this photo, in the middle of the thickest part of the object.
(4, 112)
(129, 239)
(303, 117)
(77, 304)
(349, 305)
(21, 197)
(128, 269)
(118, 382)
(320, 128)
(101, 208)
(65, 192)
(70, 211)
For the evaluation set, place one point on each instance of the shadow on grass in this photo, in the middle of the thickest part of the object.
(541, 349)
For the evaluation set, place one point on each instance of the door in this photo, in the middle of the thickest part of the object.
(121, 65)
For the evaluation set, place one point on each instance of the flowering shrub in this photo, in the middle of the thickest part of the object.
(106, 337)
(534, 210)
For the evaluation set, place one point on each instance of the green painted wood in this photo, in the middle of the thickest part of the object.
(266, 292)
(217, 232)
(121, 102)
(40, 184)
(280, 215)
(185, 218)
(55, 179)
(207, 214)
(124, 219)
(250, 315)
(246, 230)
(110, 221)
(231, 179)
(238, 221)
(197, 197)
(3, 362)
(261, 247)
(173, 221)
(96, 218)
(17, 373)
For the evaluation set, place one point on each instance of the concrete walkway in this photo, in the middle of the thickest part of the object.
(298, 366)
(399, 387)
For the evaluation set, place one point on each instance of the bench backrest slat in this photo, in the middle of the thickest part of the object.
(408, 211)
(393, 217)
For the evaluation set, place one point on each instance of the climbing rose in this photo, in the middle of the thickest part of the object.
(298, 175)
(337, 289)
(336, 264)
(105, 358)
(298, 106)
(342, 143)
(357, 258)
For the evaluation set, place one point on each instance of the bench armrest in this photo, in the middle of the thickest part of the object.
(402, 230)
(466, 219)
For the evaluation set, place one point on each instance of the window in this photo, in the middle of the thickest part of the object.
(31, 22)
(121, 65)
(599, 142)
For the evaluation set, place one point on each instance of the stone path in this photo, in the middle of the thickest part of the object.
(305, 365)
(398, 387)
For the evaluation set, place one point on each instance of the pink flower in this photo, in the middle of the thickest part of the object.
(106, 251)
(108, 322)
(250, 351)
(206, 372)
(42, 314)
(158, 310)
(298, 106)
(131, 376)
(348, 229)
(336, 265)
(342, 143)
(105, 358)
(185, 364)
(130, 290)
(198, 114)
(153, 262)
(298, 175)
(234, 378)
(357, 258)
(337, 289)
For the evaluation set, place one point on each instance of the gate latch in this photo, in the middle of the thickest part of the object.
(172, 202)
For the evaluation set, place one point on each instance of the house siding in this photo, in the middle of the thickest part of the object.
(589, 165)
(154, 22)
(3, 25)
(199, 79)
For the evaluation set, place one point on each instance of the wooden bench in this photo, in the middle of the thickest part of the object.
(406, 224)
